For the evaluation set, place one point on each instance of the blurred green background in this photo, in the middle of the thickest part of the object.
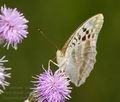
(57, 19)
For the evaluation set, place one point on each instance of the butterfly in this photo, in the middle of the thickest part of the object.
(78, 55)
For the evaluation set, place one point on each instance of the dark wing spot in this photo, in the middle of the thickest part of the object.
(87, 32)
(75, 39)
(79, 37)
(73, 44)
(91, 30)
(84, 29)
(84, 38)
(92, 35)
(70, 46)
(89, 36)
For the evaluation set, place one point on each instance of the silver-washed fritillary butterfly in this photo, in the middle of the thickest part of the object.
(78, 55)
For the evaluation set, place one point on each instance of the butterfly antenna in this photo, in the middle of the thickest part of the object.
(43, 34)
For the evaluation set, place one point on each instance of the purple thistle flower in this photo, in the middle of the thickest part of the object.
(3, 75)
(13, 27)
(51, 87)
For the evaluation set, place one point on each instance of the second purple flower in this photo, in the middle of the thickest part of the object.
(52, 87)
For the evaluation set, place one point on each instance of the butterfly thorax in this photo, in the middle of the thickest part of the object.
(61, 60)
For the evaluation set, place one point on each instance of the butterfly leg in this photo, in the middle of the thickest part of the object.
(50, 61)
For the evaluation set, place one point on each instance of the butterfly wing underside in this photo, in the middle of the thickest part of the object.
(78, 56)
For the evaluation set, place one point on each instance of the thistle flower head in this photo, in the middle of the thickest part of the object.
(3, 75)
(52, 87)
(13, 27)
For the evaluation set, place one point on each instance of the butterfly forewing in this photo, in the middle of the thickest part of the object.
(77, 57)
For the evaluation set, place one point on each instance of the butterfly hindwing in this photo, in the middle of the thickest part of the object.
(77, 57)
